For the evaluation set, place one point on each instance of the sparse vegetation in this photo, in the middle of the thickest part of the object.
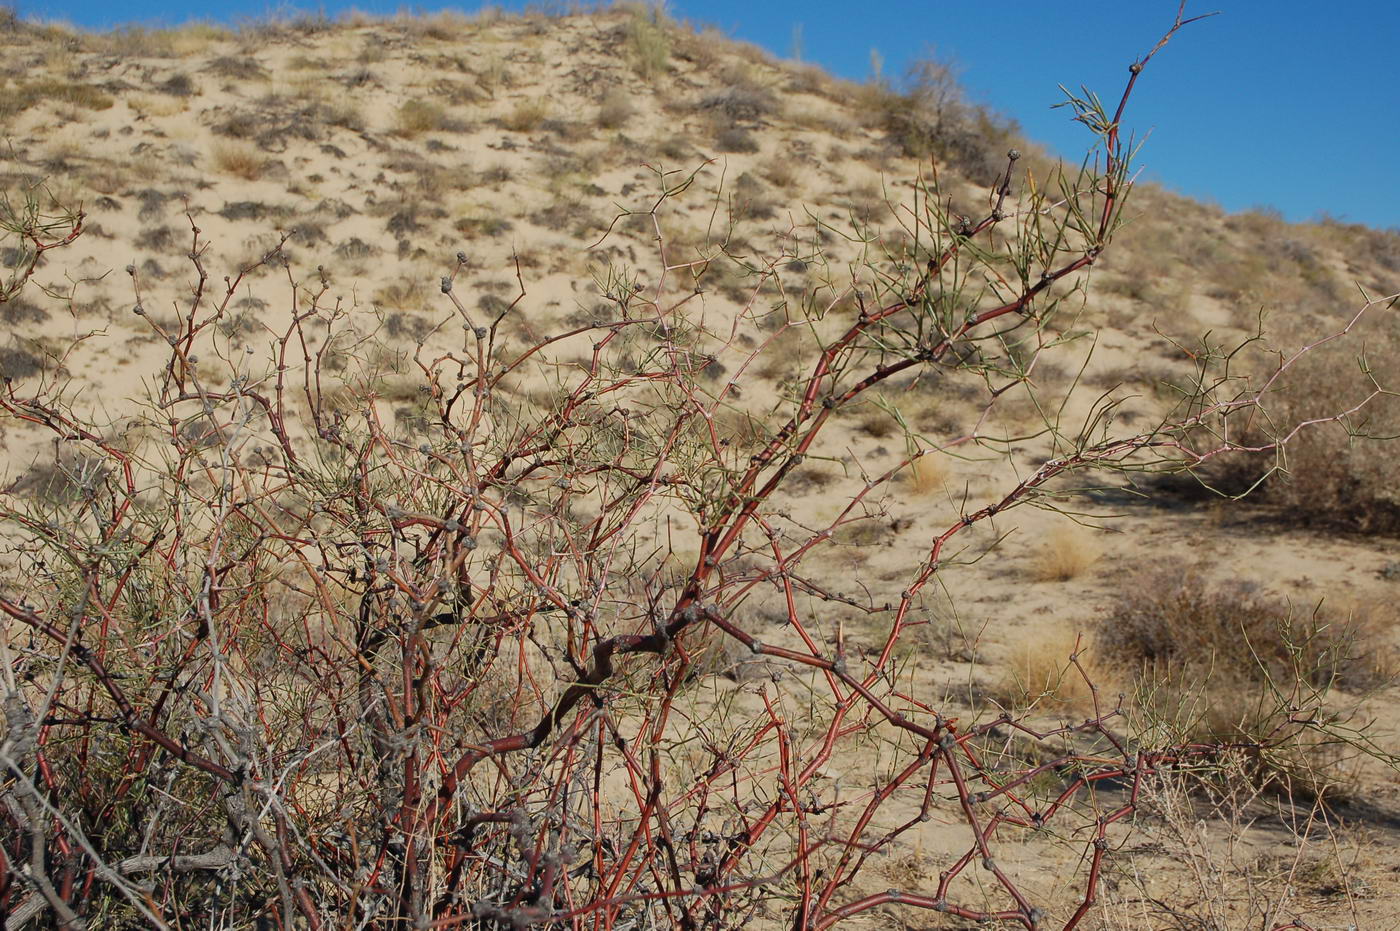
(1053, 673)
(526, 116)
(1174, 625)
(535, 523)
(1343, 474)
(1065, 553)
(615, 109)
(239, 159)
(648, 45)
(1228, 662)
(19, 97)
(415, 117)
(19, 361)
(931, 117)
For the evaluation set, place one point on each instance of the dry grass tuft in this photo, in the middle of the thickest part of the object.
(1040, 673)
(648, 45)
(615, 109)
(21, 97)
(238, 159)
(415, 117)
(156, 105)
(526, 116)
(1065, 553)
(927, 474)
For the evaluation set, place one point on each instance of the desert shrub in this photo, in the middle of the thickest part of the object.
(931, 118)
(782, 173)
(178, 85)
(309, 230)
(19, 360)
(615, 109)
(1064, 553)
(236, 67)
(21, 310)
(156, 238)
(354, 248)
(562, 214)
(1228, 662)
(1341, 474)
(31, 224)
(239, 159)
(405, 295)
(752, 200)
(739, 104)
(415, 117)
(405, 219)
(26, 94)
(735, 139)
(153, 204)
(647, 43)
(1175, 623)
(252, 210)
(497, 175)
(673, 146)
(278, 119)
(483, 223)
(405, 327)
(526, 116)
(63, 482)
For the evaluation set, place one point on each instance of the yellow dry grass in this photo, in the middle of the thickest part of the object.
(526, 115)
(1067, 552)
(927, 474)
(1039, 673)
(238, 159)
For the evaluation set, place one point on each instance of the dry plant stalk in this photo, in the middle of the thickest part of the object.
(304, 664)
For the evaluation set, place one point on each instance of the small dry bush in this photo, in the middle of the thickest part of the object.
(240, 67)
(931, 118)
(1227, 662)
(736, 139)
(1040, 672)
(406, 294)
(1175, 621)
(647, 43)
(526, 116)
(238, 159)
(743, 102)
(18, 361)
(875, 422)
(615, 109)
(1338, 474)
(783, 173)
(1065, 553)
(415, 117)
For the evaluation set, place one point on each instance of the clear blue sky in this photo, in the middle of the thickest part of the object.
(1285, 103)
